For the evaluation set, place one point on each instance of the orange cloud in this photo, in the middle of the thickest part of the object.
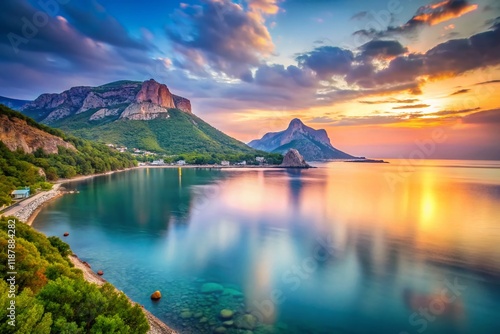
(269, 7)
(443, 11)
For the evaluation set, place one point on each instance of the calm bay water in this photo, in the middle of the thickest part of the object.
(343, 248)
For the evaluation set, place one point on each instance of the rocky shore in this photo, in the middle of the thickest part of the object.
(156, 326)
(25, 210)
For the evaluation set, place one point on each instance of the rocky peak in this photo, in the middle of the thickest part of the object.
(313, 144)
(125, 99)
(294, 159)
(182, 103)
(295, 124)
(156, 93)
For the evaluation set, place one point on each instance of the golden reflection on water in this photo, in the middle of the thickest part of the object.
(433, 213)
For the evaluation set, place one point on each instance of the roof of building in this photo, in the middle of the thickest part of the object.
(21, 192)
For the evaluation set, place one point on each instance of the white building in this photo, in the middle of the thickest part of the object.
(181, 162)
(224, 163)
(260, 159)
(158, 162)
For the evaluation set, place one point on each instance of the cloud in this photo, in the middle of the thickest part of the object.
(58, 54)
(487, 82)
(374, 120)
(427, 15)
(390, 101)
(279, 75)
(322, 120)
(488, 117)
(461, 91)
(269, 7)
(412, 106)
(483, 117)
(450, 58)
(222, 36)
(453, 112)
(327, 61)
(92, 19)
(359, 15)
(382, 49)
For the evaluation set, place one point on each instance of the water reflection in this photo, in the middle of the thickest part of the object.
(332, 249)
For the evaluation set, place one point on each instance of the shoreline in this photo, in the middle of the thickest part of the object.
(28, 211)
(156, 326)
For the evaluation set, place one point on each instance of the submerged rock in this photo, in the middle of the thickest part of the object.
(232, 292)
(211, 288)
(100, 272)
(247, 321)
(294, 159)
(186, 315)
(220, 330)
(226, 314)
(156, 295)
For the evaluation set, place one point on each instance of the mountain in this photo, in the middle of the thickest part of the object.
(122, 99)
(312, 144)
(143, 115)
(12, 103)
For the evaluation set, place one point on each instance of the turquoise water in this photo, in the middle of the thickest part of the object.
(343, 248)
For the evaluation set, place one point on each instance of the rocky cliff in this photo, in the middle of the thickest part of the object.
(122, 99)
(312, 144)
(16, 134)
(293, 159)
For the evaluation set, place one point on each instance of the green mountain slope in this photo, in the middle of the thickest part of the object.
(24, 160)
(143, 115)
(179, 133)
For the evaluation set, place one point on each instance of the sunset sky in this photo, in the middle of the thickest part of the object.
(378, 75)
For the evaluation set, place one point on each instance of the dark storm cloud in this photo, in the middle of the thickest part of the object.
(431, 14)
(220, 35)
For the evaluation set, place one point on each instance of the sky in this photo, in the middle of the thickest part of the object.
(383, 77)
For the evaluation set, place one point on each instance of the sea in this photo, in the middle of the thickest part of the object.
(400, 247)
